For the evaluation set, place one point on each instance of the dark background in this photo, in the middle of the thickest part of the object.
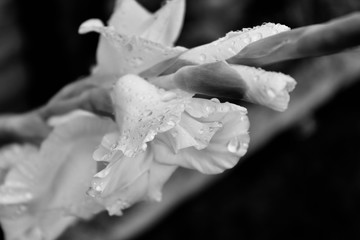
(305, 184)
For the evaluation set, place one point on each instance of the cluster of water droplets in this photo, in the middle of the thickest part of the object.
(235, 41)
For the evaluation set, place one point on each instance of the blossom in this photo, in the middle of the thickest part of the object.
(160, 123)
(161, 126)
(159, 131)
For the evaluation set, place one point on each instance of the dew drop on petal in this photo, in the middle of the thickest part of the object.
(149, 137)
(237, 147)
(271, 93)
(144, 147)
(232, 50)
(92, 193)
(215, 100)
(202, 57)
(246, 40)
(171, 124)
(256, 37)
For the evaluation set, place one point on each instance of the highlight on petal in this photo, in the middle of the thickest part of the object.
(143, 110)
(228, 139)
(166, 24)
(121, 54)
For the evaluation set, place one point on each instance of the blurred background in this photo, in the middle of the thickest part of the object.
(301, 178)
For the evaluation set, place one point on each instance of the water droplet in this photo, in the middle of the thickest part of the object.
(237, 147)
(202, 57)
(255, 37)
(93, 193)
(271, 93)
(215, 100)
(246, 40)
(171, 124)
(149, 137)
(201, 131)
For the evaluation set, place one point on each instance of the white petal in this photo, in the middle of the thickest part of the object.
(123, 182)
(167, 23)
(142, 111)
(130, 18)
(159, 174)
(67, 150)
(121, 54)
(57, 178)
(270, 89)
(227, 145)
(231, 44)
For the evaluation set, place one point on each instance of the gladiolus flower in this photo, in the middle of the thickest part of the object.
(160, 124)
